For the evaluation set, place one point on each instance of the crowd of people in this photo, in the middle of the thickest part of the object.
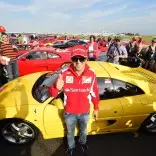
(80, 76)
(132, 54)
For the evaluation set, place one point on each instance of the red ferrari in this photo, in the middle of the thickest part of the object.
(42, 59)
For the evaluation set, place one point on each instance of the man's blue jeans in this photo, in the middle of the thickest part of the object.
(11, 71)
(71, 121)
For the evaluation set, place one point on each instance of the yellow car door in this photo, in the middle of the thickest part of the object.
(110, 109)
(136, 104)
(53, 119)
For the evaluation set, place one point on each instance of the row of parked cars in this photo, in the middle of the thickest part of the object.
(47, 57)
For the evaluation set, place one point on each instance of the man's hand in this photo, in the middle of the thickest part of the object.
(95, 114)
(14, 47)
(4, 60)
(59, 82)
(111, 55)
(116, 57)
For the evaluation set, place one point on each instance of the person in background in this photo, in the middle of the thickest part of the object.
(2, 78)
(77, 82)
(25, 39)
(150, 55)
(92, 47)
(8, 58)
(117, 52)
(109, 41)
(134, 50)
(153, 68)
(132, 47)
(19, 39)
(35, 42)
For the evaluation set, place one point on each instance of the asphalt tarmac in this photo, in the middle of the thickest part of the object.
(119, 144)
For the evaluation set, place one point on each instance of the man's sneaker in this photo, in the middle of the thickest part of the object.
(85, 149)
(70, 152)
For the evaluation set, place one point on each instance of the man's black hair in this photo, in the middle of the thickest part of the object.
(117, 40)
(154, 39)
(3, 33)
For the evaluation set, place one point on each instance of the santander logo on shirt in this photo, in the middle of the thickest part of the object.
(74, 90)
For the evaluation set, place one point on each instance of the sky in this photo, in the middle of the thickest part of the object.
(79, 16)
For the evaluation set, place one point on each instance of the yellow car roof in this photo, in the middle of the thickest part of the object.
(105, 69)
(134, 73)
(98, 68)
(122, 72)
(137, 76)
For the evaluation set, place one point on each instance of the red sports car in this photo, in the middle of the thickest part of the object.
(42, 59)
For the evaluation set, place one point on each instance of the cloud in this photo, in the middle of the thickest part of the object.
(66, 4)
(101, 13)
(139, 24)
(5, 7)
(53, 5)
(78, 16)
(59, 15)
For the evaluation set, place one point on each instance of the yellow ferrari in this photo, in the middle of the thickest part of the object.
(127, 103)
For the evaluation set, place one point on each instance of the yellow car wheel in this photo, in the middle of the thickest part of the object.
(18, 131)
(149, 125)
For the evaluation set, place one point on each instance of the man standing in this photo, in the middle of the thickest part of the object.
(8, 58)
(79, 84)
(93, 48)
(2, 30)
(117, 53)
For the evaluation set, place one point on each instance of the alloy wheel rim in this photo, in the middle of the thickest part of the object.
(18, 133)
(151, 126)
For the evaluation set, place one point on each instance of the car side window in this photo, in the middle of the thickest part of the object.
(58, 42)
(122, 88)
(73, 41)
(106, 90)
(52, 55)
(37, 55)
(81, 42)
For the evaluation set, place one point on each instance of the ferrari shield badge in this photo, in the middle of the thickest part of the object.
(86, 79)
(69, 79)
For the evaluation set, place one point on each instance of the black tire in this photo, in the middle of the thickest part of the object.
(149, 125)
(18, 132)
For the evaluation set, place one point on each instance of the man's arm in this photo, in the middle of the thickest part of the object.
(95, 94)
(124, 51)
(95, 98)
(57, 87)
(110, 52)
(53, 90)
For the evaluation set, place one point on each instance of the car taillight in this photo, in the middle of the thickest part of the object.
(2, 88)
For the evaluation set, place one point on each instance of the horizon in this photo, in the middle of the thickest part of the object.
(78, 16)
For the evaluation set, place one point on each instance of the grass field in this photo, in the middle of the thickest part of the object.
(146, 38)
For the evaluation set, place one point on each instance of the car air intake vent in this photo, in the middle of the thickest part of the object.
(117, 68)
(140, 74)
